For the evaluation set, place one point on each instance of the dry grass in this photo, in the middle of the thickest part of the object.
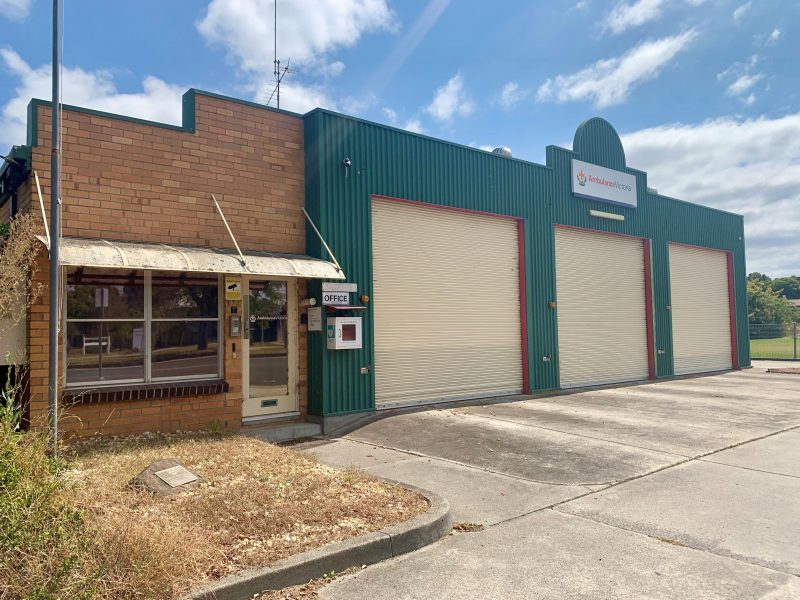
(259, 503)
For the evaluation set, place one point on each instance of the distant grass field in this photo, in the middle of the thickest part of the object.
(773, 348)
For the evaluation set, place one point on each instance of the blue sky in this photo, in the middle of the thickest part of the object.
(705, 93)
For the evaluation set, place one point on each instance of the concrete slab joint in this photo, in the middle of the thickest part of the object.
(366, 549)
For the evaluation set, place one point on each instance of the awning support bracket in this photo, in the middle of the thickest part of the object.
(322, 239)
(41, 205)
(230, 233)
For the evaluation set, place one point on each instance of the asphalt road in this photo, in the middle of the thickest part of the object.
(680, 489)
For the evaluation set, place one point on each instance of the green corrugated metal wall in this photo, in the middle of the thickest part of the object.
(395, 163)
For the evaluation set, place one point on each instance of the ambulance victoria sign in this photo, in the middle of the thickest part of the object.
(598, 183)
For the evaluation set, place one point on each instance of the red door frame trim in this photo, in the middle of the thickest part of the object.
(523, 291)
(648, 289)
(732, 313)
(648, 307)
(523, 307)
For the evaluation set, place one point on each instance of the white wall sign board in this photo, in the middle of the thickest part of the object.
(335, 298)
(598, 183)
(315, 318)
(334, 286)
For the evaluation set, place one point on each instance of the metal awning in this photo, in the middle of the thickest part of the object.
(90, 252)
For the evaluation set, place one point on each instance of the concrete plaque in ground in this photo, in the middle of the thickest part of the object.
(166, 477)
(175, 476)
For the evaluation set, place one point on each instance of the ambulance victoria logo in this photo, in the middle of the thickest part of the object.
(581, 178)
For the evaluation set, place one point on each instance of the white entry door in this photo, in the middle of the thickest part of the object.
(270, 369)
(701, 318)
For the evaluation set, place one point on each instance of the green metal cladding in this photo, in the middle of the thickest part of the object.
(391, 162)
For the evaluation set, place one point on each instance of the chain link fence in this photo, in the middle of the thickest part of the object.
(774, 340)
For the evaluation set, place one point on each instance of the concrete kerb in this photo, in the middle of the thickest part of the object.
(366, 549)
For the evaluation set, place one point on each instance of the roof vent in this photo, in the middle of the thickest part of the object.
(502, 151)
(651, 190)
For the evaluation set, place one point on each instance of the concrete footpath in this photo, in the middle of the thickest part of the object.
(680, 489)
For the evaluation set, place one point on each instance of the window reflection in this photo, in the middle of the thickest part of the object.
(182, 295)
(112, 294)
(184, 349)
(105, 352)
(269, 361)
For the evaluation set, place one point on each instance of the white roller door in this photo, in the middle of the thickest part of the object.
(602, 325)
(446, 304)
(701, 327)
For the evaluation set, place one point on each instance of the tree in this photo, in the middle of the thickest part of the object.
(756, 276)
(787, 286)
(765, 305)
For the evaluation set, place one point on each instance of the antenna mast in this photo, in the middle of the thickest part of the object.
(276, 62)
(279, 75)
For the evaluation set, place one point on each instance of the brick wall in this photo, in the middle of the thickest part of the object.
(133, 181)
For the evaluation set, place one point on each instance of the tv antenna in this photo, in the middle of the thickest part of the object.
(279, 75)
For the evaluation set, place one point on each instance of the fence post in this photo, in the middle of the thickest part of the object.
(795, 341)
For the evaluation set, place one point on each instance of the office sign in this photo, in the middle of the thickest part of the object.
(335, 298)
(598, 183)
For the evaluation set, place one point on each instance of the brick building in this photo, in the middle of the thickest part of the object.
(146, 339)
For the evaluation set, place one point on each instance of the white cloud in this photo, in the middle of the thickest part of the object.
(743, 83)
(626, 15)
(610, 81)
(158, 100)
(742, 79)
(414, 126)
(390, 115)
(308, 30)
(484, 147)
(747, 166)
(740, 11)
(295, 96)
(774, 36)
(511, 94)
(358, 105)
(15, 10)
(450, 100)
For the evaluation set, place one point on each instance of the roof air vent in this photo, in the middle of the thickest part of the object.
(502, 151)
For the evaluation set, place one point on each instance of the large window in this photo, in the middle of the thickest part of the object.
(141, 326)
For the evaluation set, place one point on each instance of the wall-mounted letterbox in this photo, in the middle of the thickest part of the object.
(344, 333)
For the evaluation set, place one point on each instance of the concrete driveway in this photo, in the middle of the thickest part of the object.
(680, 489)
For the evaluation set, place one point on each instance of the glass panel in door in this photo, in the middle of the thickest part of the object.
(269, 339)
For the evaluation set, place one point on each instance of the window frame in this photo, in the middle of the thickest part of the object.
(147, 321)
